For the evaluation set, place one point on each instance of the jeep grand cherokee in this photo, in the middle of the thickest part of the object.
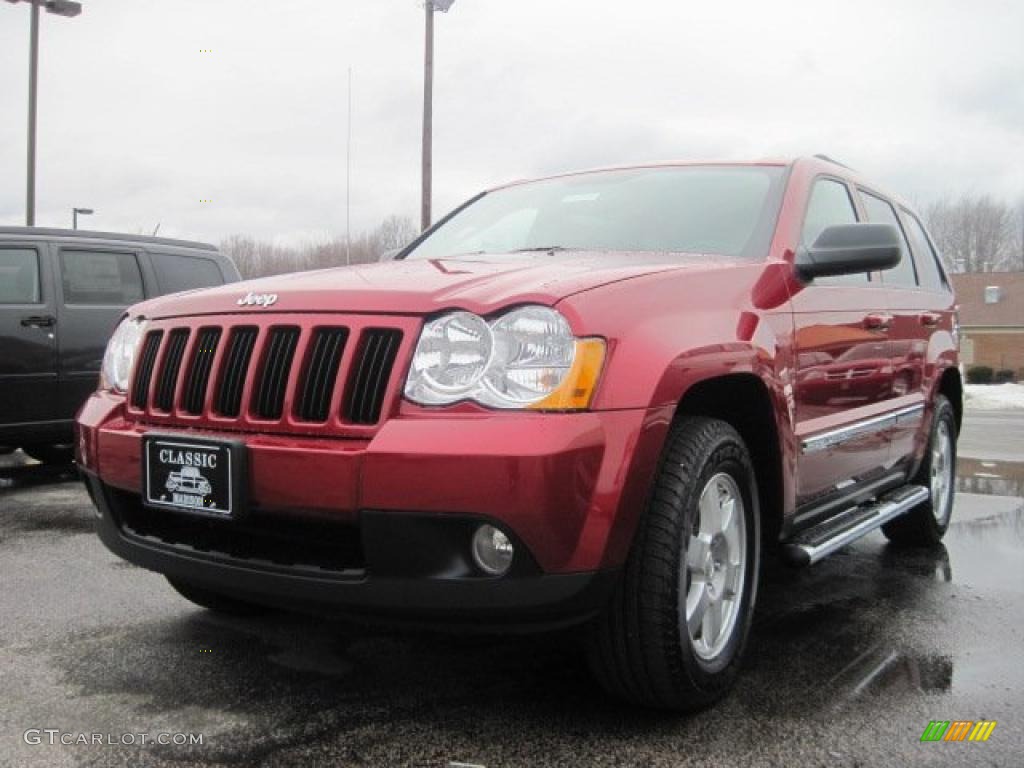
(598, 398)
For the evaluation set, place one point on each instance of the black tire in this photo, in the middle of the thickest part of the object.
(54, 454)
(921, 526)
(216, 601)
(639, 648)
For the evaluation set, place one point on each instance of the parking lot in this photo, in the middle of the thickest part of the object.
(849, 660)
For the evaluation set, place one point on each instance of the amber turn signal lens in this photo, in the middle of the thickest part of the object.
(577, 389)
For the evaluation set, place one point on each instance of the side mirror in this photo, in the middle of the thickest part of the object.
(390, 255)
(845, 249)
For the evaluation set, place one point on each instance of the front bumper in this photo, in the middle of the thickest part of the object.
(401, 506)
(519, 601)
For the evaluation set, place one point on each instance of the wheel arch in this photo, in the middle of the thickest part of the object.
(951, 385)
(744, 401)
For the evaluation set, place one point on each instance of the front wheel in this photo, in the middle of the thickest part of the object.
(673, 633)
(926, 524)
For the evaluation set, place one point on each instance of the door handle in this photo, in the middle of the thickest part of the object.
(39, 321)
(929, 319)
(879, 321)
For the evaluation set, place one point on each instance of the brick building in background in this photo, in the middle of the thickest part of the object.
(992, 319)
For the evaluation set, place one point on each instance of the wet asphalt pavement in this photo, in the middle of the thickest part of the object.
(847, 664)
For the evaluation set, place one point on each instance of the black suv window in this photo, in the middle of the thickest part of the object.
(928, 269)
(100, 277)
(830, 204)
(880, 212)
(19, 276)
(183, 273)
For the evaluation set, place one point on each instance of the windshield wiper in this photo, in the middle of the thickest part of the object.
(541, 248)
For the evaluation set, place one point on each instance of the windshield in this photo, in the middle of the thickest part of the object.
(727, 210)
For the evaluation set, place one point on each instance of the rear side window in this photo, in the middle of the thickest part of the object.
(100, 277)
(928, 269)
(176, 273)
(830, 204)
(19, 276)
(880, 212)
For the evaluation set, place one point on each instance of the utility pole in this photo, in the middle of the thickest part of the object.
(33, 80)
(59, 8)
(428, 118)
(348, 178)
(428, 107)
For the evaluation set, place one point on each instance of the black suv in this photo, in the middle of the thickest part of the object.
(61, 294)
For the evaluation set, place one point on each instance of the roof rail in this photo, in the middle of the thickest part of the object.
(828, 159)
(88, 234)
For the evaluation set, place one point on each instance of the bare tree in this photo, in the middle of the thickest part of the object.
(975, 233)
(1018, 235)
(258, 258)
(396, 232)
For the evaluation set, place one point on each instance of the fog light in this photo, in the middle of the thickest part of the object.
(492, 550)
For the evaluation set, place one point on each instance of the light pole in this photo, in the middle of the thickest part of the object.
(428, 106)
(348, 177)
(75, 212)
(60, 8)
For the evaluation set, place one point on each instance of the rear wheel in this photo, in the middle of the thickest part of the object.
(51, 453)
(216, 601)
(927, 523)
(673, 634)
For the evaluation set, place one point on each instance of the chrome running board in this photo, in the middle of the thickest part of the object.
(809, 546)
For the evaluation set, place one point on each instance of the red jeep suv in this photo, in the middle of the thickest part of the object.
(596, 398)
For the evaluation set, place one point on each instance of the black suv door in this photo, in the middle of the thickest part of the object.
(97, 283)
(28, 346)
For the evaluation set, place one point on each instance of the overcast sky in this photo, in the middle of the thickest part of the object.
(925, 96)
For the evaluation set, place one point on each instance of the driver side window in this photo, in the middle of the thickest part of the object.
(830, 204)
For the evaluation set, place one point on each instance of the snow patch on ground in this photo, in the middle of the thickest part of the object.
(994, 397)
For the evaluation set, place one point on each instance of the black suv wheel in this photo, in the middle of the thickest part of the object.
(51, 453)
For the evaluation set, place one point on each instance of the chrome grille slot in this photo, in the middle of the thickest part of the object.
(377, 353)
(321, 374)
(273, 379)
(168, 379)
(199, 372)
(235, 368)
(144, 373)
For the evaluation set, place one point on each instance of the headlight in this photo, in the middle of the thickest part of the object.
(527, 358)
(120, 355)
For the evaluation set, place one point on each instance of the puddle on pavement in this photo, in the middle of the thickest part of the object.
(993, 478)
(890, 669)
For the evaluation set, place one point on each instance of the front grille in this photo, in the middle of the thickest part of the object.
(274, 539)
(274, 376)
(376, 359)
(303, 376)
(167, 382)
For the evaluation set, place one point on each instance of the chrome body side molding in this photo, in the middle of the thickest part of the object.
(833, 437)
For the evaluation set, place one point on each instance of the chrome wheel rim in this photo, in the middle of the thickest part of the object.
(941, 471)
(716, 565)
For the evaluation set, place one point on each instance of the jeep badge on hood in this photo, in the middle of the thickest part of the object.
(258, 299)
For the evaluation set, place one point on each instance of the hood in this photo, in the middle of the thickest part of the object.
(419, 286)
